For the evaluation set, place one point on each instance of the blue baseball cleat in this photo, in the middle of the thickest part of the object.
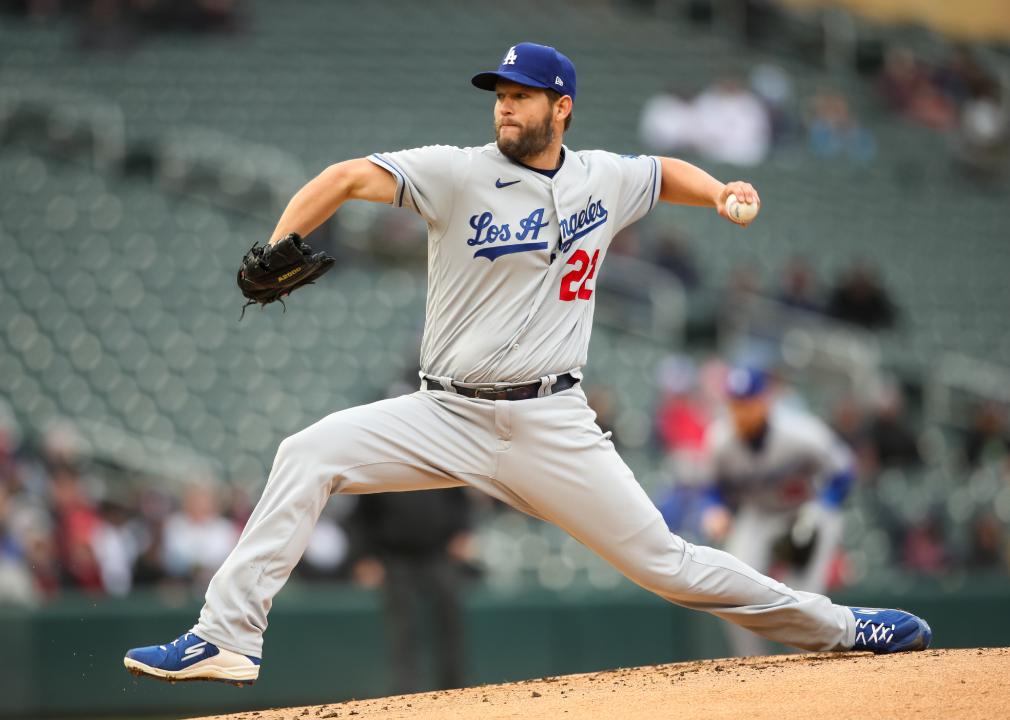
(188, 657)
(889, 631)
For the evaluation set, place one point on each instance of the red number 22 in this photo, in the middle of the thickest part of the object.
(580, 259)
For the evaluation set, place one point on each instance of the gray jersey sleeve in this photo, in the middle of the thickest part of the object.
(640, 181)
(427, 179)
(827, 450)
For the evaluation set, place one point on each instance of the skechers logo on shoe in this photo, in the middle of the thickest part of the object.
(193, 651)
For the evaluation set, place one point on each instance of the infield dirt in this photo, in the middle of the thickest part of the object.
(944, 684)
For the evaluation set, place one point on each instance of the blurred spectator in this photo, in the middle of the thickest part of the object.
(674, 254)
(834, 132)
(116, 548)
(987, 439)
(681, 419)
(860, 298)
(963, 77)
(908, 89)
(775, 87)
(925, 548)
(667, 125)
(798, 289)
(732, 124)
(984, 134)
(988, 543)
(726, 123)
(16, 584)
(75, 523)
(891, 441)
(153, 507)
(197, 538)
(411, 544)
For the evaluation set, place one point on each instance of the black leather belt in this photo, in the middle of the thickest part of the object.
(516, 392)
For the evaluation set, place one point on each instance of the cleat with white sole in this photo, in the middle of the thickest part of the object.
(190, 657)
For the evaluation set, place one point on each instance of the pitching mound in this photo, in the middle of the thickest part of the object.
(932, 684)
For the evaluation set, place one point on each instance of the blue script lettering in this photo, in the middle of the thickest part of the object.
(483, 224)
(532, 223)
(582, 222)
(486, 233)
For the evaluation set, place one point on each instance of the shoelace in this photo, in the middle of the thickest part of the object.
(184, 637)
(879, 632)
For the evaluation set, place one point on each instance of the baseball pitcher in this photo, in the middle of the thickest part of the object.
(517, 233)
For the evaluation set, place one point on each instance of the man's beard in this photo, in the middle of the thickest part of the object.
(531, 141)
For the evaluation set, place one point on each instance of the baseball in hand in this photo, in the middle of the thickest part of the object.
(741, 213)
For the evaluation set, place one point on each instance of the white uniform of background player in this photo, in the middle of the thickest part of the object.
(780, 470)
(513, 257)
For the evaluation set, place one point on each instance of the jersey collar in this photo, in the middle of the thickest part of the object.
(565, 162)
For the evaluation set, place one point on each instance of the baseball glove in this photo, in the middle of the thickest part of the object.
(269, 273)
(796, 547)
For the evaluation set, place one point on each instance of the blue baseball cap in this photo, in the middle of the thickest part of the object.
(534, 65)
(745, 382)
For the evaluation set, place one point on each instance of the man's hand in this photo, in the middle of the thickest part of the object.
(716, 522)
(268, 274)
(744, 192)
(369, 573)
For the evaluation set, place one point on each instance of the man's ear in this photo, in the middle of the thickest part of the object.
(563, 107)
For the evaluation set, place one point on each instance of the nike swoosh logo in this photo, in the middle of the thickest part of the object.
(499, 184)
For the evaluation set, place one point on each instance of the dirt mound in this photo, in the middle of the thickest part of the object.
(932, 684)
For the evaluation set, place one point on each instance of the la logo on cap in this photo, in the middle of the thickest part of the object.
(510, 57)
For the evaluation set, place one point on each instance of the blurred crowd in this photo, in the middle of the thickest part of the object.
(70, 522)
(957, 95)
(857, 294)
(741, 120)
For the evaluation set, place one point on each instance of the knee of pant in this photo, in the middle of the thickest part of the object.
(659, 568)
(302, 448)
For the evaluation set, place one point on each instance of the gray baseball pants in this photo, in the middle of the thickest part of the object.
(752, 538)
(544, 456)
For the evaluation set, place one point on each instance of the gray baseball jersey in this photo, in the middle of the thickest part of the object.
(513, 255)
(797, 455)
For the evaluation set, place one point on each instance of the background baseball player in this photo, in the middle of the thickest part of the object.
(780, 476)
(517, 232)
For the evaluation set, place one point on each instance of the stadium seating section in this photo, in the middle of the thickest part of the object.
(118, 303)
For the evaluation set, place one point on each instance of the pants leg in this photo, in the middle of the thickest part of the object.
(420, 441)
(443, 576)
(402, 588)
(750, 541)
(559, 462)
(814, 577)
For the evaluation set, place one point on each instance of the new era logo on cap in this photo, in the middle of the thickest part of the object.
(534, 65)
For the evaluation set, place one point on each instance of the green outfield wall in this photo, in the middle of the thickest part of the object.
(327, 644)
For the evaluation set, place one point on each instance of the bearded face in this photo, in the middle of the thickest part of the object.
(518, 140)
